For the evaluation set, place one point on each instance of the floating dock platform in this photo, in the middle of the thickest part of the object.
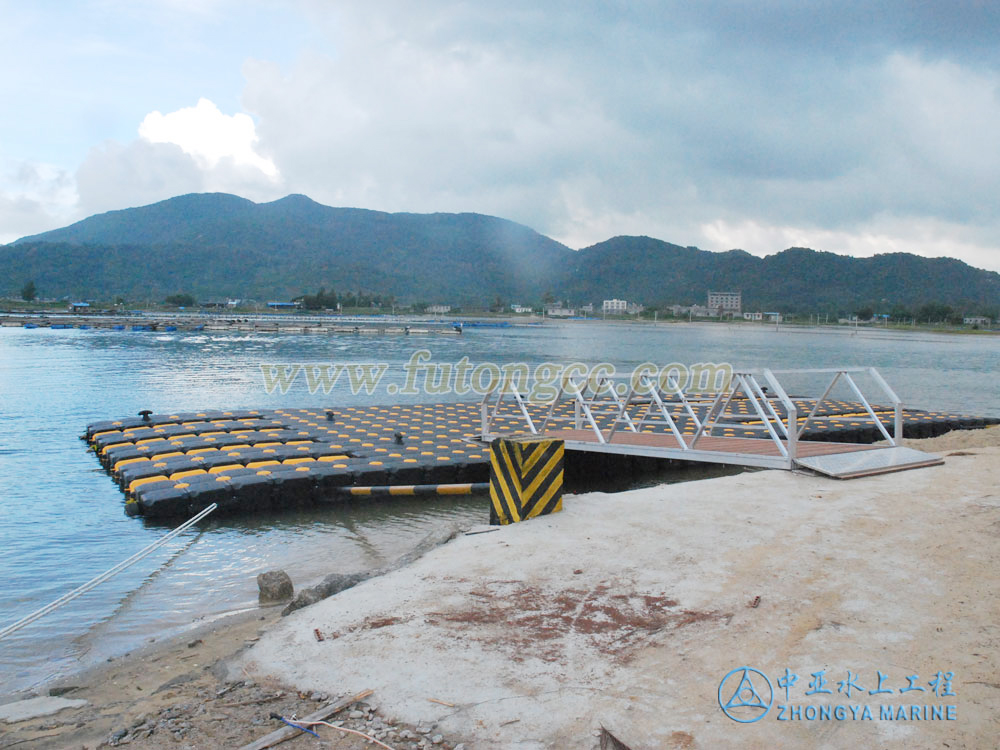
(258, 460)
(172, 465)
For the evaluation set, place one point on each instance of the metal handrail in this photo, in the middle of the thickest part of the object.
(745, 383)
(621, 411)
(654, 392)
(791, 412)
(487, 419)
(786, 432)
(845, 373)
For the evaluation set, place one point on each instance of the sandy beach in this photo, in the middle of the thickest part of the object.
(639, 611)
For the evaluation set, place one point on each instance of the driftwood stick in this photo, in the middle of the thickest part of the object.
(286, 733)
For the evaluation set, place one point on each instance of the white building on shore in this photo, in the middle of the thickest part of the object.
(726, 303)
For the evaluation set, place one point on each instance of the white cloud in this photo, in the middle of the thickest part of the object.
(209, 136)
(34, 198)
(641, 126)
(930, 187)
(192, 150)
(884, 234)
(945, 144)
(718, 124)
(115, 176)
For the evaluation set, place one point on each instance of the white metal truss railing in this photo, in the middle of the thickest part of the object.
(646, 400)
(604, 400)
(489, 415)
(845, 375)
(744, 385)
(656, 398)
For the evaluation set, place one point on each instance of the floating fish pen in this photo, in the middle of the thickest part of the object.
(257, 324)
(256, 460)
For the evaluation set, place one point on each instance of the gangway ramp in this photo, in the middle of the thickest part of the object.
(879, 460)
(656, 418)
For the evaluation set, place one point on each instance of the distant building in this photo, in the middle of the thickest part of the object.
(277, 305)
(79, 306)
(557, 310)
(634, 308)
(753, 316)
(693, 311)
(976, 320)
(439, 309)
(588, 308)
(726, 303)
(614, 307)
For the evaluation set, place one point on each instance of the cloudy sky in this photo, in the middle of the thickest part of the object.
(852, 126)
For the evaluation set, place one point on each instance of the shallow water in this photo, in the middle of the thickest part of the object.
(62, 522)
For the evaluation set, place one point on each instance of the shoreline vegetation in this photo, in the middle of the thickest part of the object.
(623, 611)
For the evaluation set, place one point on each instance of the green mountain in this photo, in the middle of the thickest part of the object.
(215, 245)
(795, 280)
(218, 245)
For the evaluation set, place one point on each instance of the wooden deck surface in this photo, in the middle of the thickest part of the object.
(734, 445)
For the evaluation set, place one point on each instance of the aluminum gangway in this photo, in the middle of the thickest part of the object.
(655, 417)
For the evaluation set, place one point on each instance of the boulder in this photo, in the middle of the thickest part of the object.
(275, 586)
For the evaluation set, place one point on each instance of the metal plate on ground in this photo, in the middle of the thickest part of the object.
(868, 462)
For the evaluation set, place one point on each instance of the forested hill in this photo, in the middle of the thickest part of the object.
(215, 245)
(795, 280)
(218, 245)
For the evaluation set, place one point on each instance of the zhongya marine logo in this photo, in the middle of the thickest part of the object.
(745, 695)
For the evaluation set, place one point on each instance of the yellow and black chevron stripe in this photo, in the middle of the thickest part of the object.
(526, 479)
